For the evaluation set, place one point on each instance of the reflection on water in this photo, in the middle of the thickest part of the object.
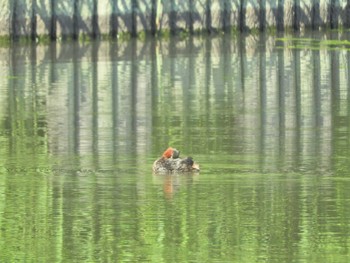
(81, 124)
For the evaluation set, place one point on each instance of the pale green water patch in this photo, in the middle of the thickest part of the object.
(83, 122)
(314, 44)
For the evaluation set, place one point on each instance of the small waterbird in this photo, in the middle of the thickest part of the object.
(170, 162)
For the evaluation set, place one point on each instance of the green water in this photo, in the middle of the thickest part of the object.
(81, 124)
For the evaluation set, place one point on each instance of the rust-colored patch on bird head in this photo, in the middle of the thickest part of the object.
(168, 152)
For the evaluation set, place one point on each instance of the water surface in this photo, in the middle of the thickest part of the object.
(82, 123)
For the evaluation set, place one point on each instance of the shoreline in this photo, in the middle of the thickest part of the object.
(51, 20)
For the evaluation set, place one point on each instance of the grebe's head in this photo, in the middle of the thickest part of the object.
(191, 164)
(171, 153)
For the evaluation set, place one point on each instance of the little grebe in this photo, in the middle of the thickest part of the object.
(170, 162)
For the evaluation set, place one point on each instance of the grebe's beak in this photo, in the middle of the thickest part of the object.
(195, 167)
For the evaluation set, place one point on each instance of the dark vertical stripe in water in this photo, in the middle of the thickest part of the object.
(53, 76)
(263, 96)
(115, 94)
(208, 74)
(75, 100)
(95, 98)
(186, 89)
(348, 95)
(281, 99)
(33, 59)
(242, 57)
(154, 80)
(316, 74)
(11, 119)
(297, 87)
(134, 80)
(338, 125)
(335, 82)
(227, 58)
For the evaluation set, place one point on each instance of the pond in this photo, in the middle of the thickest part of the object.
(266, 117)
